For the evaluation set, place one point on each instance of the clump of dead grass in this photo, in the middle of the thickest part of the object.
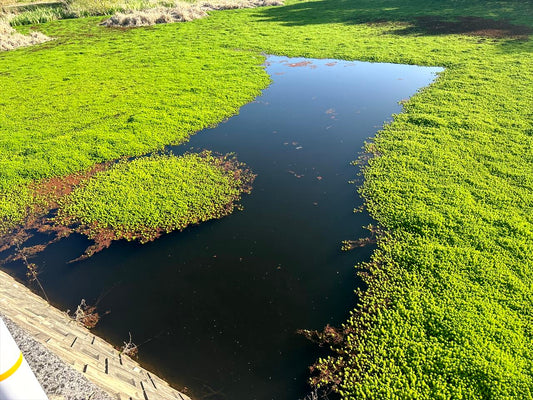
(234, 4)
(11, 39)
(181, 12)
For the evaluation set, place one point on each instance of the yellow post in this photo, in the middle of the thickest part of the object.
(17, 381)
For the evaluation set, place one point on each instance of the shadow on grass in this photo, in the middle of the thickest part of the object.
(473, 26)
(415, 17)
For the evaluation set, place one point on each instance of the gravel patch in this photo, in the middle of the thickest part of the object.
(59, 380)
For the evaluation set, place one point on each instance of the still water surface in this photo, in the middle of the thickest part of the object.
(215, 307)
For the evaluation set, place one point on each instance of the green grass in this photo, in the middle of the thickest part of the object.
(448, 312)
(138, 200)
(13, 204)
(38, 15)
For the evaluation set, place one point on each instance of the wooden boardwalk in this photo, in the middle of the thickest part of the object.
(117, 374)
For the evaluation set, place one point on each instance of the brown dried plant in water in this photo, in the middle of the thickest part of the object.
(32, 272)
(348, 245)
(325, 371)
(47, 194)
(129, 348)
(86, 315)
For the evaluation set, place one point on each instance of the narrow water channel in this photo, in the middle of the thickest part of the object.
(215, 308)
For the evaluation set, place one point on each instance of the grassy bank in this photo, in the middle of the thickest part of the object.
(125, 12)
(447, 313)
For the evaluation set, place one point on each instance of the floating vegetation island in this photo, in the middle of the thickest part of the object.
(136, 200)
(141, 199)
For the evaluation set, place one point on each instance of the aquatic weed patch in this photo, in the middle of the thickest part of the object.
(141, 199)
(133, 200)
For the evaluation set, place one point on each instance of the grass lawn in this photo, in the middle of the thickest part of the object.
(448, 312)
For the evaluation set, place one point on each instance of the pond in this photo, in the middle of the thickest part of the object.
(216, 307)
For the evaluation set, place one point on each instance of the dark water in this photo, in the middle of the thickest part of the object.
(215, 308)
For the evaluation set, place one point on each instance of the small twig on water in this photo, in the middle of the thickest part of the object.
(130, 349)
(31, 272)
(86, 315)
(315, 395)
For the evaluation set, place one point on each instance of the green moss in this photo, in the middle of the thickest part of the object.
(448, 310)
(13, 203)
(141, 198)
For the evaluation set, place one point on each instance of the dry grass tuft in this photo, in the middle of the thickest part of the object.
(181, 12)
(10, 39)
(234, 4)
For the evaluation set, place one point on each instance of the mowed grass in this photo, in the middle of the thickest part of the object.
(448, 310)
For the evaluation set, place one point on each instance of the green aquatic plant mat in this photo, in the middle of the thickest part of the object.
(140, 199)
(104, 94)
(447, 312)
